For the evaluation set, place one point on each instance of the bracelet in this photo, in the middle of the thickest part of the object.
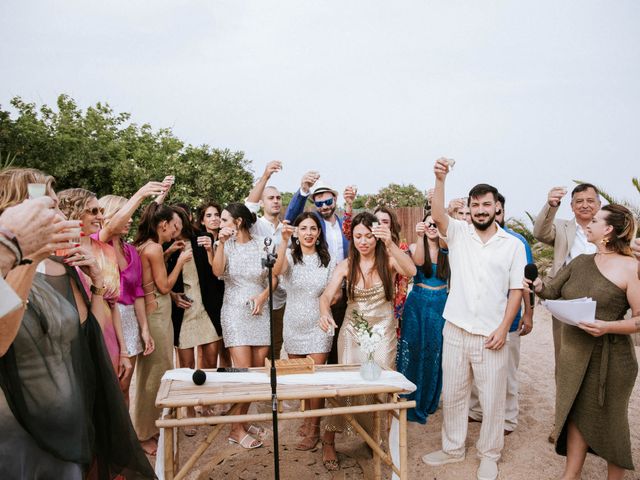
(9, 240)
(98, 290)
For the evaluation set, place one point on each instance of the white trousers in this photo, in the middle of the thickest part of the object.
(512, 408)
(465, 359)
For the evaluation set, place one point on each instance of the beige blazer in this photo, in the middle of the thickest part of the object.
(560, 234)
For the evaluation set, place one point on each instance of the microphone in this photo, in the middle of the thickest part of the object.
(531, 273)
(199, 377)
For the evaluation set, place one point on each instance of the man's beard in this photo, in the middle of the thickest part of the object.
(484, 225)
(327, 215)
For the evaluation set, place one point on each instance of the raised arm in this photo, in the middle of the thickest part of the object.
(255, 195)
(418, 253)
(282, 265)
(296, 206)
(219, 257)
(438, 210)
(122, 216)
(544, 229)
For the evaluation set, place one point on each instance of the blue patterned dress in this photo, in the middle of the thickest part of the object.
(420, 346)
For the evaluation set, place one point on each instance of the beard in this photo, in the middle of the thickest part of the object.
(327, 214)
(490, 220)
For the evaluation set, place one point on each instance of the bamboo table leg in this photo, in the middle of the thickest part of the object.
(169, 454)
(404, 464)
(377, 466)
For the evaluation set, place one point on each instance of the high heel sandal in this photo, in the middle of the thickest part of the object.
(330, 465)
(309, 440)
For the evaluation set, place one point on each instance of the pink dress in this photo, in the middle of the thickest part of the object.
(106, 258)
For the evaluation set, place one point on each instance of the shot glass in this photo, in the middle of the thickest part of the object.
(451, 162)
(36, 190)
(64, 252)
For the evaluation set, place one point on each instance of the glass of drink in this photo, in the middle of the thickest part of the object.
(36, 190)
(451, 162)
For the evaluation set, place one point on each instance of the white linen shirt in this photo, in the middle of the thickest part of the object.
(333, 233)
(580, 245)
(481, 276)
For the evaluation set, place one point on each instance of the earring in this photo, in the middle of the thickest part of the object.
(317, 242)
(297, 242)
(604, 241)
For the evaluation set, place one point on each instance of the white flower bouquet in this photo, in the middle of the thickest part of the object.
(368, 337)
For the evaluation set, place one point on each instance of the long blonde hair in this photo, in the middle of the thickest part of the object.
(14, 181)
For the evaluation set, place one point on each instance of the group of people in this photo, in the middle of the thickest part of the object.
(83, 308)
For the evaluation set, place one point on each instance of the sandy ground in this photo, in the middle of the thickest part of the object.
(526, 455)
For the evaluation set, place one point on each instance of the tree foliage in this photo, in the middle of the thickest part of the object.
(395, 195)
(103, 151)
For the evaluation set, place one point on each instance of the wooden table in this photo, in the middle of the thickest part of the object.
(174, 395)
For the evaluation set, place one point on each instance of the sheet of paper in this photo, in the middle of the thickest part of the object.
(9, 300)
(573, 311)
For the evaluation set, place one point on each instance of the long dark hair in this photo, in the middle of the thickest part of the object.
(151, 217)
(240, 210)
(395, 224)
(322, 248)
(381, 259)
(187, 227)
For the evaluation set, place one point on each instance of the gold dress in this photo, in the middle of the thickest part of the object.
(372, 304)
(151, 368)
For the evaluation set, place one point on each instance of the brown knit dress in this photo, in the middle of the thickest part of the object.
(595, 375)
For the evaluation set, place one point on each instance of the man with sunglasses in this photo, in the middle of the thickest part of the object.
(522, 325)
(325, 200)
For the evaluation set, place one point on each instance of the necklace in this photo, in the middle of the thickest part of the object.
(604, 253)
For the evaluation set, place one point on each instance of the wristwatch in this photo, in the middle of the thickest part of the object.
(98, 290)
(9, 240)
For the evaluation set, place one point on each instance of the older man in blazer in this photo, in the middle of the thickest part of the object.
(566, 236)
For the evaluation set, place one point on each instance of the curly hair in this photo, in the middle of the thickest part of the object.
(73, 202)
(14, 185)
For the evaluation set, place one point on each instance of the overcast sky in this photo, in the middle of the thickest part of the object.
(524, 95)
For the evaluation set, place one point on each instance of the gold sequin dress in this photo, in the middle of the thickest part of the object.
(371, 303)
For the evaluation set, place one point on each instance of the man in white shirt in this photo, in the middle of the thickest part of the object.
(487, 266)
(269, 225)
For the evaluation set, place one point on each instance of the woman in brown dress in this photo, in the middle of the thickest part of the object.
(597, 366)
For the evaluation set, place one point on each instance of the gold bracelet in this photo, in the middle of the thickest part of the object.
(98, 290)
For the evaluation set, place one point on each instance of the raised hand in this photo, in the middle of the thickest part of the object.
(555, 196)
(421, 228)
(287, 231)
(441, 168)
(308, 179)
(272, 167)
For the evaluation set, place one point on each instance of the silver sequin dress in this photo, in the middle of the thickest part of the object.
(304, 283)
(244, 278)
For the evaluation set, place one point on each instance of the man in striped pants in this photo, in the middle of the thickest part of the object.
(487, 266)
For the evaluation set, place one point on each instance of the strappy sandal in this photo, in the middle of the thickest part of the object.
(247, 442)
(302, 429)
(257, 431)
(310, 440)
(330, 465)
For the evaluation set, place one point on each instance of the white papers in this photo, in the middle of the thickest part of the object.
(9, 299)
(574, 311)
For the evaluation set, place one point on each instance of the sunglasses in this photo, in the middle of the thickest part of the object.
(95, 211)
(431, 225)
(328, 202)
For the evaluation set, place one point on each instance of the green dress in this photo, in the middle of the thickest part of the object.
(595, 375)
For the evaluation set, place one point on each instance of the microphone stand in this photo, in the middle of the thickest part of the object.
(268, 262)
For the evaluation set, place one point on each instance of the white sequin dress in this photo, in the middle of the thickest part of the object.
(244, 278)
(304, 283)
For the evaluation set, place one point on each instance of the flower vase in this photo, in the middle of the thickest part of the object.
(370, 370)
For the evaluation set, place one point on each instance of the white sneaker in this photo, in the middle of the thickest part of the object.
(438, 458)
(488, 469)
